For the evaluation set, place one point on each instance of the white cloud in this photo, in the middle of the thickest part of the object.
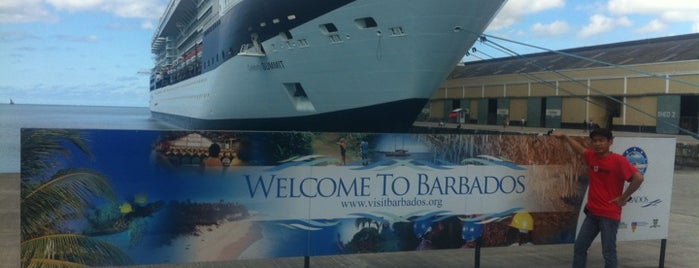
(651, 7)
(75, 5)
(515, 10)
(555, 28)
(78, 39)
(147, 25)
(150, 9)
(22, 11)
(666, 12)
(602, 24)
(653, 26)
(604, 16)
(16, 36)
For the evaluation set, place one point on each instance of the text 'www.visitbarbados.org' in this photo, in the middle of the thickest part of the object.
(391, 202)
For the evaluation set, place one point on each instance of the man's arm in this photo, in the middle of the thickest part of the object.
(636, 181)
(577, 147)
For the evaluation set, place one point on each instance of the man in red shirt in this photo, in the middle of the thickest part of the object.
(608, 172)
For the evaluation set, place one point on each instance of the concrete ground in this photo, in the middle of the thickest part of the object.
(682, 243)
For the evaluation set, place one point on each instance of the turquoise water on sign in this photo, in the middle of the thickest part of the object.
(18, 116)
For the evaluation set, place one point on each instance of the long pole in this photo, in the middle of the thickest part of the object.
(663, 245)
(477, 260)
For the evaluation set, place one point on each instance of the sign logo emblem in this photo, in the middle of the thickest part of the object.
(638, 158)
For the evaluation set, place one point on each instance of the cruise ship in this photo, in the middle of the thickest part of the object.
(307, 65)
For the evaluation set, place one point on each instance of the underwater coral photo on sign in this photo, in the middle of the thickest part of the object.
(124, 197)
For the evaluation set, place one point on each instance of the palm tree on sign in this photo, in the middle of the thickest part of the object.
(51, 197)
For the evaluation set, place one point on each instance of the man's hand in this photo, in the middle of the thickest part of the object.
(558, 134)
(577, 147)
(620, 201)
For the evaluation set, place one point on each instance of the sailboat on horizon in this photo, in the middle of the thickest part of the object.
(402, 152)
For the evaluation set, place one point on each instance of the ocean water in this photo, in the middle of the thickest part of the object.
(15, 117)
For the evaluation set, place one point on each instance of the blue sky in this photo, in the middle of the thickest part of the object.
(95, 52)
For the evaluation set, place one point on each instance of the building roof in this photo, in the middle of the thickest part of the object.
(664, 49)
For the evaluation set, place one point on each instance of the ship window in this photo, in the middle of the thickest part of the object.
(397, 31)
(367, 22)
(335, 38)
(275, 21)
(299, 92)
(286, 35)
(299, 98)
(291, 17)
(328, 28)
(263, 24)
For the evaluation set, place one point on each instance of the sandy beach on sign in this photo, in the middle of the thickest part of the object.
(215, 243)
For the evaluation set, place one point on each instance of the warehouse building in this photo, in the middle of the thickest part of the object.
(652, 86)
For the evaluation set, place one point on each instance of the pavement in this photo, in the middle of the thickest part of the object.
(682, 243)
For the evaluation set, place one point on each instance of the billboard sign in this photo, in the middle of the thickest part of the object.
(152, 197)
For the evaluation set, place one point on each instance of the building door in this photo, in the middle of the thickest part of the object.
(534, 112)
(554, 106)
(448, 106)
(456, 111)
(503, 111)
(668, 114)
(483, 111)
(492, 111)
(465, 114)
(689, 113)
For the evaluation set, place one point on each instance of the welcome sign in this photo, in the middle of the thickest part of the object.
(147, 197)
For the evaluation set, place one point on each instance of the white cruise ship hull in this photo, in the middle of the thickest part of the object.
(333, 72)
